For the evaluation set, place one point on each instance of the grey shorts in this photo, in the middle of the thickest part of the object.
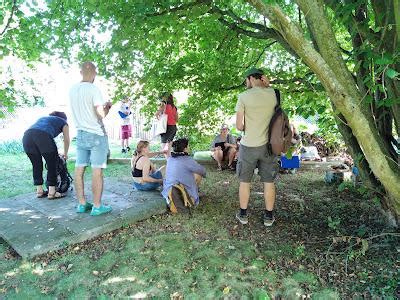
(251, 158)
(91, 149)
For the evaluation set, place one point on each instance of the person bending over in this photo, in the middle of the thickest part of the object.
(38, 142)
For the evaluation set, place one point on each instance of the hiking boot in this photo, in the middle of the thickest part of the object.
(84, 208)
(243, 219)
(103, 209)
(268, 220)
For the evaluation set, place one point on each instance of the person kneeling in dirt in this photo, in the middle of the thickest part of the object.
(145, 175)
(182, 173)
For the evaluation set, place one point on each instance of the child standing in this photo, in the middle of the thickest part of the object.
(126, 128)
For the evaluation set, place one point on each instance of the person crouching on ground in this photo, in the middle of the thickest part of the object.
(224, 146)
(38, 142)
(183, 169)
(145, 175)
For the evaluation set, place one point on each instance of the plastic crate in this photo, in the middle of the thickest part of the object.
(293, 163)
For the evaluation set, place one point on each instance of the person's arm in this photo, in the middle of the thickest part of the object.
(240, 115)
(103, 110)
(146, 171)
(176, 116)
(230, 142)
(66, 140)
(240, 120)
(196, 168)
(213, 148)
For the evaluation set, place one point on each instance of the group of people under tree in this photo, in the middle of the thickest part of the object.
(254, 110)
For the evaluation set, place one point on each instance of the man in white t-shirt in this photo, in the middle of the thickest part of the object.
(88, 110)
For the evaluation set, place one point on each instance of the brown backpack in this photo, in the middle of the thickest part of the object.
(279, 131)
(180, 200)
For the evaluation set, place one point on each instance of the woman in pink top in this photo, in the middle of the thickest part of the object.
(168, 107)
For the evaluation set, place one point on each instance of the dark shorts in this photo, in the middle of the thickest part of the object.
(251, 158)
(169, 135)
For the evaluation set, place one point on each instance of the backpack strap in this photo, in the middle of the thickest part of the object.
(277, 112)
(278, 98)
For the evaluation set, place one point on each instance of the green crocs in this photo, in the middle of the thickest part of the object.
(103, 209)
(84, 208)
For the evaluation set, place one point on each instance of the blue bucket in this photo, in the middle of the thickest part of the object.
(293, 163)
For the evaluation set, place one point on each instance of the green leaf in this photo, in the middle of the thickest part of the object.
(391, 73)
(384, 60)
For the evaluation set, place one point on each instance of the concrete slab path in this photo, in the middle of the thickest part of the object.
(35, 226)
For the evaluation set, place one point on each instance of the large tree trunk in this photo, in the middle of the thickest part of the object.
(338, 82)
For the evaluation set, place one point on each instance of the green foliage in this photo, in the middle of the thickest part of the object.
(11, 147)
(334, 223)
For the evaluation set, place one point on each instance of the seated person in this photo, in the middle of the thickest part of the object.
(145, 176)
(183, 169)
(224, 146)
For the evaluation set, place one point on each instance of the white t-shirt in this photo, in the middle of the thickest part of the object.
(84, 97)
(125, 109)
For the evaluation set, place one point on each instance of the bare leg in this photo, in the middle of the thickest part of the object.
(97, 186)
(79, 185)
(39, 189)
(218, 156)
(169, 148)
(269, 195)
(231, 156)
(244, 194)
(163, 149)
(52, 190)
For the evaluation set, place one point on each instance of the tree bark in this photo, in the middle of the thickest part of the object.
(340, 87)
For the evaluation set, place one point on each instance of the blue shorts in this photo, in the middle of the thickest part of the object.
(149, 186)
(91, 149)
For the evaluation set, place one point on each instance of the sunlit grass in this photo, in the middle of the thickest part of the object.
(209, 255)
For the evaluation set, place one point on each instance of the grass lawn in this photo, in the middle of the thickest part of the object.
(211, 256)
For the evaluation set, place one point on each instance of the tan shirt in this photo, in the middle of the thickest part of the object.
(258, 105)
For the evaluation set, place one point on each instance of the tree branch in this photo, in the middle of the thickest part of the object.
(262, 32)
(179, 8)
(13, 8)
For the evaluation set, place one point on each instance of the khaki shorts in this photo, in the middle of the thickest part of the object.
(251, 158)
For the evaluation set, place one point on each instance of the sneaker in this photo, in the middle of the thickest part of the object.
(103, 209)
(123, 150)
(84, 208)
(242, 219)
(128, 149)
(268, 221)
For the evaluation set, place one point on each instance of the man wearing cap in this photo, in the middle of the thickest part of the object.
(254, 110)
(224, 146)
